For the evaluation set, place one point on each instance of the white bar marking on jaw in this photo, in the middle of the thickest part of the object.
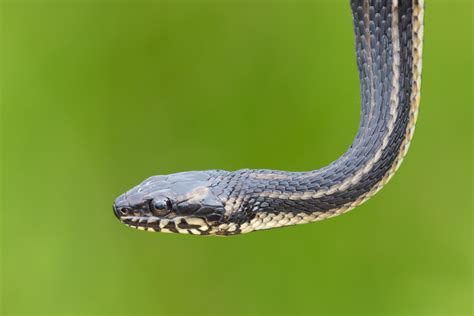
(181, 230)
(152, 219)
(163, 223)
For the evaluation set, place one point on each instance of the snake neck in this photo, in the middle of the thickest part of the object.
(388, 40)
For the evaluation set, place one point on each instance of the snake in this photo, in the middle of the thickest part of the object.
(388, 44)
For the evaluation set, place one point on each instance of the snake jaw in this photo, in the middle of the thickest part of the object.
(179, 224)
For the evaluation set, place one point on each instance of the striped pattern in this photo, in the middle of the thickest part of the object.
(389, 42)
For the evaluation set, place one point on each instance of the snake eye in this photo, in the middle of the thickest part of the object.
(160, 207)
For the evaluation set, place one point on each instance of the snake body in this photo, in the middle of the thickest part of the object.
(388, 41)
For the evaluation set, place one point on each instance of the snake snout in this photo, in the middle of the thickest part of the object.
(122, 207)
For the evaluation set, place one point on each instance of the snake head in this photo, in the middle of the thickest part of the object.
(176, 203)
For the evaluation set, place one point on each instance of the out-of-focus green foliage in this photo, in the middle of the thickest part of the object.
(98, 95)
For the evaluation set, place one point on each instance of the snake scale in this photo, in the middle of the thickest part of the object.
(388, 42)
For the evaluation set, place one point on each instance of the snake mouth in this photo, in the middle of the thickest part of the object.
(179, 224)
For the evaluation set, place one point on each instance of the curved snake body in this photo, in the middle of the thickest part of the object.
(388, 37)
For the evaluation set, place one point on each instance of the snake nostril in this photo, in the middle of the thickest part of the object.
(121, 210)
(124, 210)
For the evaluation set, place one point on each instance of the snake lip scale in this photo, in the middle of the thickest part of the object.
(388, 43)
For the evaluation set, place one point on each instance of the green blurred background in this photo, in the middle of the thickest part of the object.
(98, 95)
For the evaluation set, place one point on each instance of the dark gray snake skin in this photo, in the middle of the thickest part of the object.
(388, 37)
